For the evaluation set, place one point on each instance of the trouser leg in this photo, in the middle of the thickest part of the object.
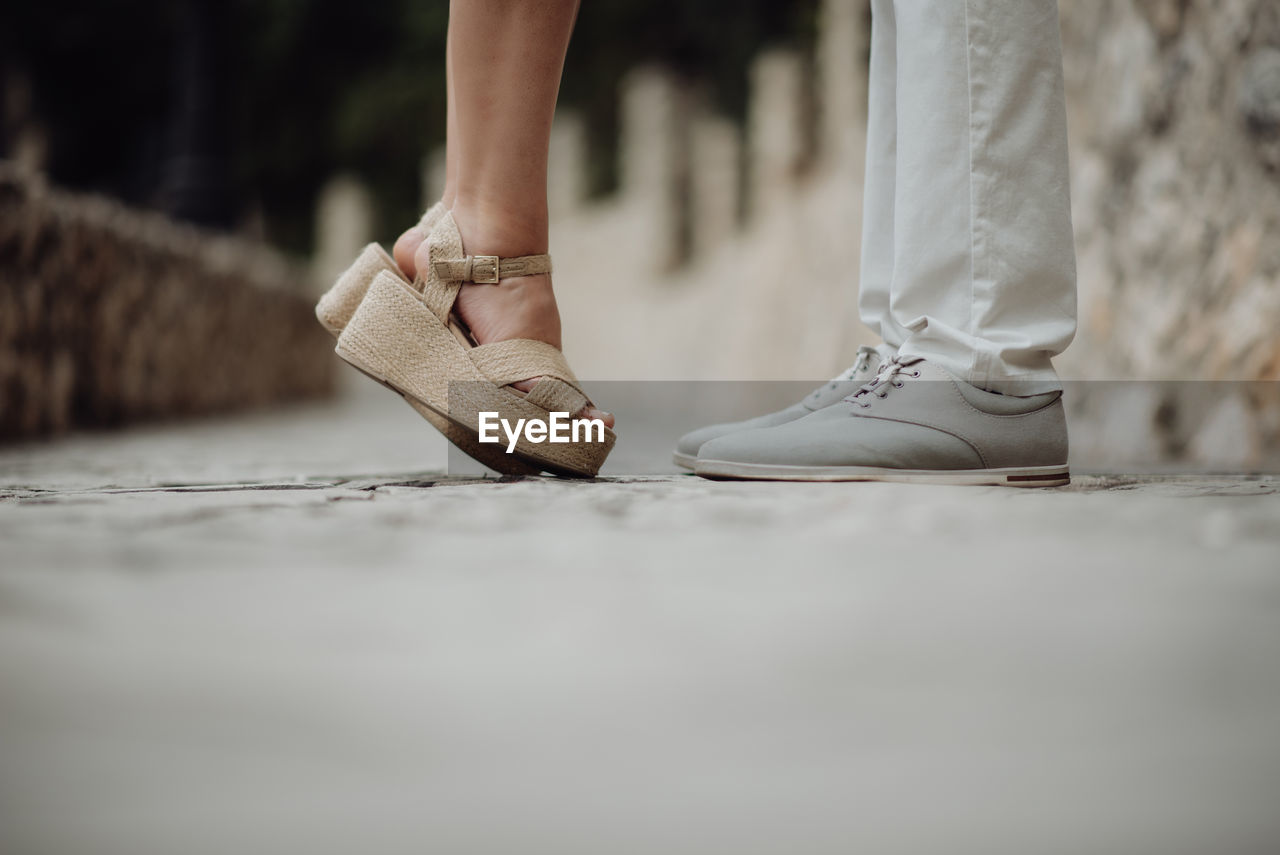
(983, 256)
(876, 274)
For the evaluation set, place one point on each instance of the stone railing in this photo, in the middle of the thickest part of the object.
(110, 315)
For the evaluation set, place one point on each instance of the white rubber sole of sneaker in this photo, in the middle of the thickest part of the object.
(685, 461)
(1020, 476)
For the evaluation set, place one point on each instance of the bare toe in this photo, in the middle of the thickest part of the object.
(587, 412)
(593, 413)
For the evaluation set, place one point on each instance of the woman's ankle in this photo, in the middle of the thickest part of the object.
(517, 307)
(505, 231)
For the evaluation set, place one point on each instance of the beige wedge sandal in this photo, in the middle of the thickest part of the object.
(340, 302)
(406, 336)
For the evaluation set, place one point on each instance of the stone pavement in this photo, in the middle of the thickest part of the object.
(281, 633)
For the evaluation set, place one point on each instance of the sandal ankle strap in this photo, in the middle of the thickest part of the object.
(490, 269)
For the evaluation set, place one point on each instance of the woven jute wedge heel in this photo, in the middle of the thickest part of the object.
(334, 312)
(339, 303)
(410, 340)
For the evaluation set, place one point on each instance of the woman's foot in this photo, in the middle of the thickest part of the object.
(519, 307)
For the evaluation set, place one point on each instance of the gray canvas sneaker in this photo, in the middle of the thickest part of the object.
(914, 422)
(863, 369)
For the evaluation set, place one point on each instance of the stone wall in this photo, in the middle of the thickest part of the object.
(1174, 110)
(109, 315)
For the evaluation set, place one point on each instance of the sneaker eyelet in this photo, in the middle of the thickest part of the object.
(897, 385)
(915, 373)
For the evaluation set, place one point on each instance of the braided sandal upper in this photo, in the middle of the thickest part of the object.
(504, 362)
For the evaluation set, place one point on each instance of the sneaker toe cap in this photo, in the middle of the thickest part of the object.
(691, 443)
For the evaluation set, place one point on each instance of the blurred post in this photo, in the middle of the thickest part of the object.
(25, 141)
(775, 128)
(195, 176)
(844, 39)
(344, 224)
(716, 159)
(652, 154)
(566, 168)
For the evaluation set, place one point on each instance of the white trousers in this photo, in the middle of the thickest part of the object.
(967, 251)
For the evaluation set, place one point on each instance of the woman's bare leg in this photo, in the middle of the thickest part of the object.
(507, 64)
(451, 130)
(507, 58)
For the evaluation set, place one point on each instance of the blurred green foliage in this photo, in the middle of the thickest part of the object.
(304, 89)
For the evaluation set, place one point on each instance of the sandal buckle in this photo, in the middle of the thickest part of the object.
(484, 269)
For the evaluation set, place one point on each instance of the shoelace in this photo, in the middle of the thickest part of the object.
(865, 355)
(886, 378)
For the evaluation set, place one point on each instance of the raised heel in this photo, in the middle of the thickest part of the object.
(339, 303)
